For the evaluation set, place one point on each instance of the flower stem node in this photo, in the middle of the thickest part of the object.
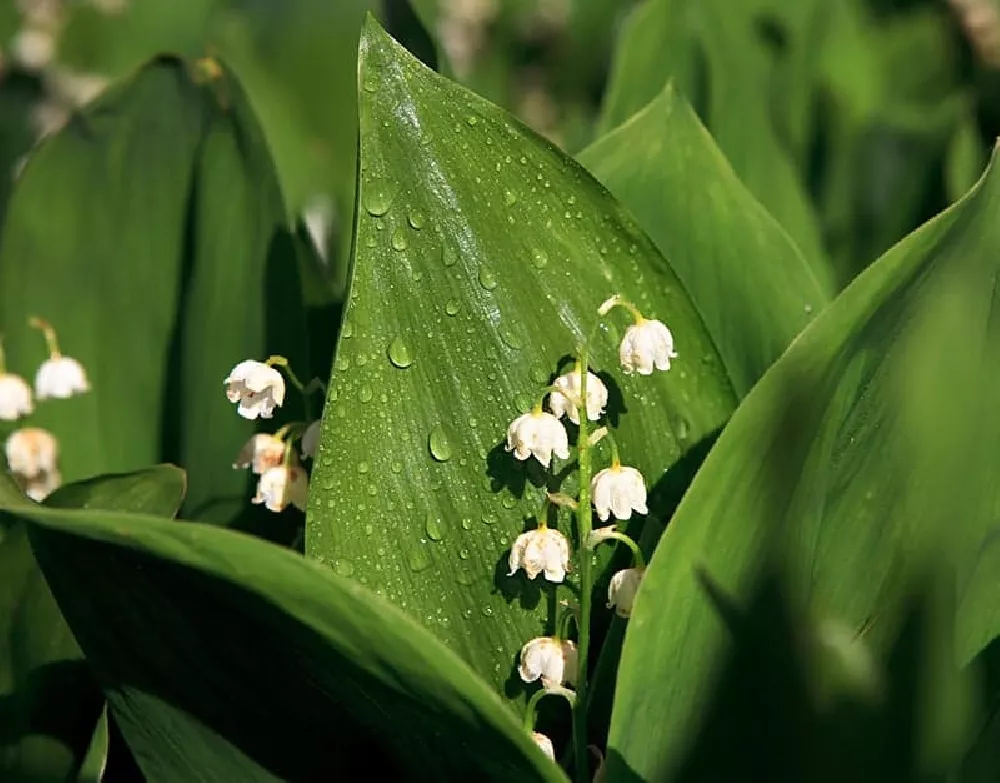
(310, 440)
(544, 743)
(538, 434)
(283, 485)
(257, 388)
(550, 659)
(647, 343)
(60, 377)
(261, 453)
(15, 397)
(32, 457)
(622, 590)
(618, 490)
(540, 550)
(566, 398)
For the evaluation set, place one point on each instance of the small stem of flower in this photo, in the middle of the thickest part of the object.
(537, 696)
(568, 614)
(613, 535)
(583, 515)
(3, 358)
(50, 335)
(615, 461)
(280, 361)
(618, 301)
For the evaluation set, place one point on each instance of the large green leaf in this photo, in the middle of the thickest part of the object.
(911, 344)
(262, 665)
(715, 52)
(751, 284)
(481, 255)
(158, 202)
(49, 701)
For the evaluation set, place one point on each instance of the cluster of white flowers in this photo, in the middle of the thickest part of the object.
(257, 388)
(33, 453)
(617, 491)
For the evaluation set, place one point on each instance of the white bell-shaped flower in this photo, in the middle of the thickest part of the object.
(283, 485)
(310, 440)
(261, 453)
(620, 491)
(566, 400)
(647, 343)
(550, 659)
(622, 590)
(40, 487)
(60, 377)
(258, 388)
(33, 48)
(15, 397)
(31, 452)
(540, 550)
(544, 743)
(540, 434)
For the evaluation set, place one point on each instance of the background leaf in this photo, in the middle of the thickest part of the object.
(899, 373)
(445, 341)
(749, 281)
(329, 660)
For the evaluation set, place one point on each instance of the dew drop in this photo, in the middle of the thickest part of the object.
(378, 199)
(396, 467)
(363, 467)
(342, 363)
(348, 330)
(487, 611)
(365, 394)
(466, 524)
(416, 219)
(509, 198)
(508, 502)
(463, 553)
(452, 307)
(399, 241)
(510, 338)
(343, 568)
(489, 519)
(539, 258)
(399, 353)
(448, 256)
(419, 560)
(434, 527)
(471, 120)
(438, 444)
(487, 279)
(808, 309)
(464, 578)
(369, 83)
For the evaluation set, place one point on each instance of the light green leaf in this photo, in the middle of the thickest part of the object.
(482, 254)
(749, 281)
(895, 442)
(262, 665)
(49, 701)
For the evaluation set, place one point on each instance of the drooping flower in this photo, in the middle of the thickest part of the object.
(40, 487)
(618, 490)
(566, 400)
(647, 343)
(282, 485)
(258, 388)
(262, 452)
(59, 377)
(32, 451)
(310, 440)
(550, 659)
(544, 743)
(622, 589)
(543, 549)
(15, 397)
(540, 434)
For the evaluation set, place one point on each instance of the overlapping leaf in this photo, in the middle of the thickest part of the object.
(481, 256)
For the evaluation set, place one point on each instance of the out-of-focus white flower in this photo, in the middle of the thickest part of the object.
(257, 387)
(620, 491)
(33, 48)
(566, 400)
(544, 743)
(40, 487)
(15, 397)
(622, 590)
(60, 377)
(318, 218)
(540, 434)
(283, 485)
(551, 659)
(540, 550)
(310, 440)
(32, 451)
(261, 453)
(647, 343)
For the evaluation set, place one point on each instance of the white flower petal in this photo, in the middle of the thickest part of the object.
(282, 485)
(32, 452)
(257, 387)
(566, 400)
(622, 589)
(540, 550)
(646, 344)
(538, 434)
(15, 397)
(310, 440)
(618, 490)
(60, 377)
(549, 659)
(545, 744)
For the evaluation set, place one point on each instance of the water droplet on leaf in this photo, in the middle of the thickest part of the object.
(438, 444)
(399, 353)
(487, 279)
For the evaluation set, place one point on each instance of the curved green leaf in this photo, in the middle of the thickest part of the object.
(875, 427)
(49, 702)
(160, 203)
(750, 282)
(262, 665)
(481, 256)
